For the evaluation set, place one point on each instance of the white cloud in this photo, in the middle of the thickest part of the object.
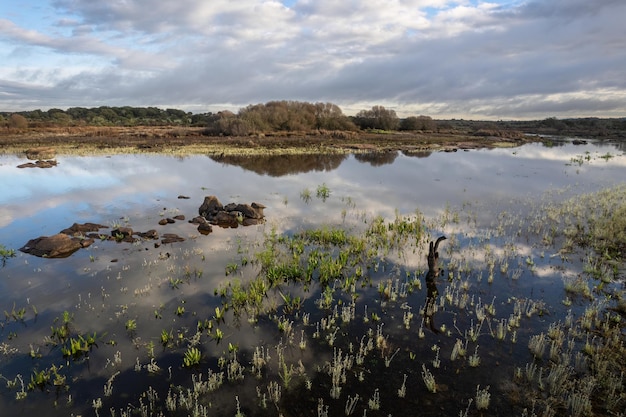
(444, 58)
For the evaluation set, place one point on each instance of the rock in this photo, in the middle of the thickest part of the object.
(179, 217)
(205, 228)
(232, 214)
(82, 229)
(579, 142)
(198, 220)
(251, 222)
(258, 207)
(55, 246)
(124, 234)
(225, 219)
(39, 164)
(150, 234)
(77, 236)
(210, 207)
(85, 243)
(171, 238)
(184, 197)
(121, 233)
(163, 222)
(248, 211)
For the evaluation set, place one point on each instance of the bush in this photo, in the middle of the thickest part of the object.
(377, 118)
(423, 123)
(17, 121)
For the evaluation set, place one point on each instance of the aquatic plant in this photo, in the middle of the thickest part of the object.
(166, 337)
(192, 357)
(322, 294)
(305, 195)
(17, 315)
(482, 398)
(79, 346)
(131, 326)
(429, 379)
(5, 254)
(322, 192)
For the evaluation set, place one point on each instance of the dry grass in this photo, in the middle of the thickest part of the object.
(91, 140)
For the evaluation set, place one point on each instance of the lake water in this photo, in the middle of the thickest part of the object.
(128, 294)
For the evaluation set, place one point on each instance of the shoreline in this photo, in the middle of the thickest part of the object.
(191, 141)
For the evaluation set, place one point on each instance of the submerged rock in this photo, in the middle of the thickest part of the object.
(81, 229)
(205, 228)
(198, 220)
(150, 234)
(39, 164)
(171, 238)
(78, 236)
(55, 246)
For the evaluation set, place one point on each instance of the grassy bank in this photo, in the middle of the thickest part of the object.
(187, 141)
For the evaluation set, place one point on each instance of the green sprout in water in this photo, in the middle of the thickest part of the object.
(192, 357)
(323, 192)
(41, 379)
(5, 254)
(166, 337)
(218, 335)
(305, 195)
(131, 325)
(17, 315)
(606, 156)
(79, 347)
(219, 314)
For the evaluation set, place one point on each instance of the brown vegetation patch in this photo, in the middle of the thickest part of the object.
(190, 140)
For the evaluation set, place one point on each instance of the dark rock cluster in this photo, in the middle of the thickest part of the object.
(39, 164)
(230, 215)
(78, 236)
(64, 243)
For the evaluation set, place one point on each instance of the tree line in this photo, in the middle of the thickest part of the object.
(297, 116)
(273, 116)
(106, 116)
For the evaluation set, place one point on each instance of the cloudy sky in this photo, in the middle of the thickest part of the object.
(503, 59)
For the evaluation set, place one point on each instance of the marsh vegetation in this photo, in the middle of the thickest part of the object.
(328, 307)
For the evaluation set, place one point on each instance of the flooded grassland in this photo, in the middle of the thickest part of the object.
(328, 306)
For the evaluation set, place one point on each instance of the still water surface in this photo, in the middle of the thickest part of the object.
(108, 284)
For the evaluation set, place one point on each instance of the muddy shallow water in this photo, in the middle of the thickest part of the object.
(128, 294)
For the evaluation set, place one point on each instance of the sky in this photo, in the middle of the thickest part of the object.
(502, 59)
